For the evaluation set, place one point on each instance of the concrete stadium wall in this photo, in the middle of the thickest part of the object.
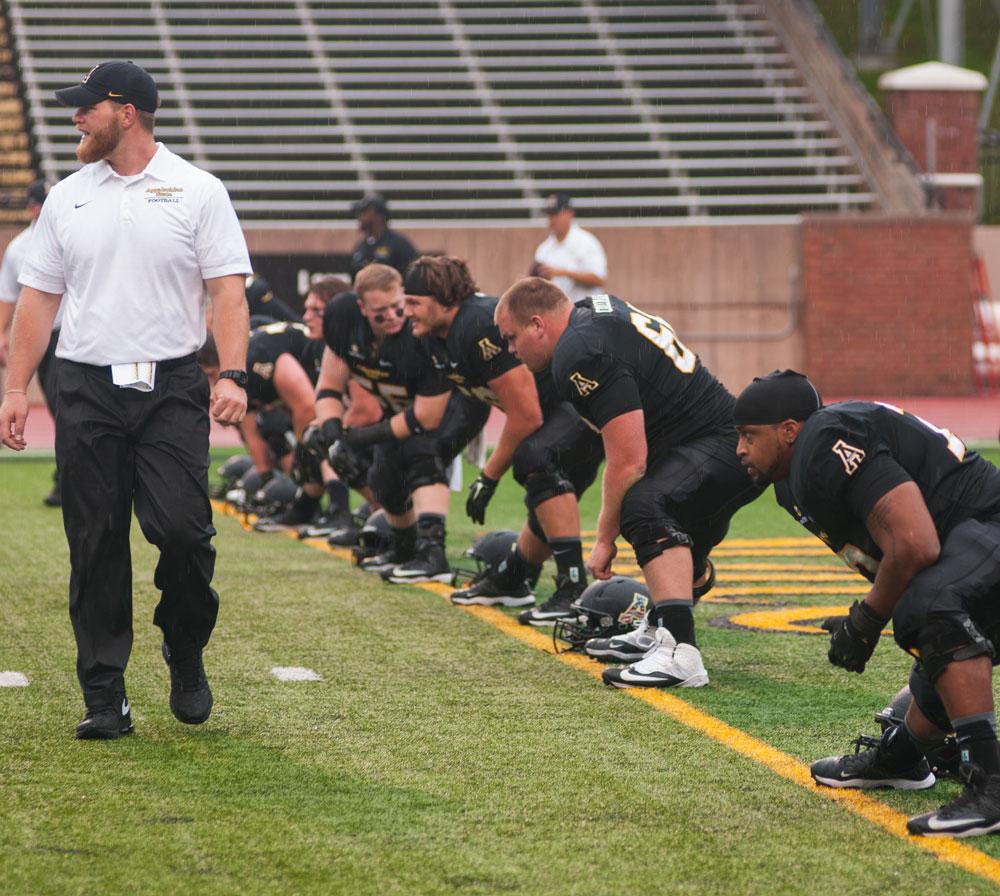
(730, 291)
(866, 304)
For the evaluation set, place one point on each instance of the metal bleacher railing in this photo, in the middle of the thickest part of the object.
(459, 110)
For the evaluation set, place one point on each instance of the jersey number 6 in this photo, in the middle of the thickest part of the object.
(662, 335)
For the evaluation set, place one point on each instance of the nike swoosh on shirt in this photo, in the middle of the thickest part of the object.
(82, 204)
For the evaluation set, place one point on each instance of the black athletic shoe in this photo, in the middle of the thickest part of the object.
(867, 769)
(385, 561)
(557, 606)
(976, 811)
(489, 590)
(429, 565)
(326, 524)
(54, 497)
(190, 695)
(106, 724)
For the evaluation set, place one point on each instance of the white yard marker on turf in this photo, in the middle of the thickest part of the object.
(13, 680)
(295, 673)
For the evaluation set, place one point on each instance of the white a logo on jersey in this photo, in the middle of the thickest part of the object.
(488, 349)
(850, 456)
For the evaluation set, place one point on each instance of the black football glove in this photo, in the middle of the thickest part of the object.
(362, 438)
(348, 464)
(318, 437)
(480, 493)
(305, 465)
(854, 637)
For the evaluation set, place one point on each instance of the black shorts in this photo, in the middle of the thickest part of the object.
(563, 449)
(962, 586)
(688, 495)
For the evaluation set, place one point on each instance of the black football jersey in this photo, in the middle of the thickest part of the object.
(269, 342)
(848, 455)
(614, 358)
(474, 354)
(395, 372)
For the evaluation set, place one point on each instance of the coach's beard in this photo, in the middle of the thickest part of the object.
(100, 144)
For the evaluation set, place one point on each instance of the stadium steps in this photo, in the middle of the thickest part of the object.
(16, 168)
(467, 110)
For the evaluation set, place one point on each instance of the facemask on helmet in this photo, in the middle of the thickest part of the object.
(375, 537)
(605, 609)
(487, 552)
(243, 490)
(275, 497)
(229, 472)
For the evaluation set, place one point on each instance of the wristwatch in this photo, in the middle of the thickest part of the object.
(237, 376)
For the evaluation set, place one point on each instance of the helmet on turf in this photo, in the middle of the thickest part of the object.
(243, 490)
(943, 758)
(605, 609)
(275, 497)
(492, 548)
(230, 471)
(375, 537)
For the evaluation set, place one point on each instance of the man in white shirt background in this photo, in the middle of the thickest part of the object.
(10, 270)
(571, 257)
(133, 244)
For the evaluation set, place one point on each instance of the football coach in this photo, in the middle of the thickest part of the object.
(132, 244)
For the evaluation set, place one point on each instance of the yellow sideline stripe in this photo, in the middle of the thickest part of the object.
(946, 849)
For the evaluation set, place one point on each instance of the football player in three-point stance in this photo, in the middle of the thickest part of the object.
(553, 453)
(672, 479)
(424, 427)
(908, 507)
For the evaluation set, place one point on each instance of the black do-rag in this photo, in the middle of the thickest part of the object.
(415, 284)
(781, 395)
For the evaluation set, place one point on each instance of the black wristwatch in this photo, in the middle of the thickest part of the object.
(237, 376)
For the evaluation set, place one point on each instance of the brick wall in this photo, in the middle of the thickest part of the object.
(887, 304)
(955, 114)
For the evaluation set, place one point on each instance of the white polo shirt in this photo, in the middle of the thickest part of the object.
(10, 270)
(130, 256)
(579, 251)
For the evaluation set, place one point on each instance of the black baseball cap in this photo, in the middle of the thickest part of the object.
(123, 82)
(374, 201)
(557, 202)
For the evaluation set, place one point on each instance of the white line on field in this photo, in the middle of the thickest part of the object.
(294, 673)
(13, 680)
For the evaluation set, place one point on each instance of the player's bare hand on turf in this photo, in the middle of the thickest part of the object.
(600, 559)
(853, 638)
(229, 403)
(13, 413)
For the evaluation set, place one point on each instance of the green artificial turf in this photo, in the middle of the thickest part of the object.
(437, 755)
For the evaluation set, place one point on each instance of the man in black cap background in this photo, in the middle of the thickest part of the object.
(571, 257)
(905, 504)
(379, 243)
(133, 245)
(10, 270)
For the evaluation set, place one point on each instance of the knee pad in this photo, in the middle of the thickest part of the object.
(389, 488)
(543, 485)
(425, 470)
(650, 538)
(927, 699)
(943, 639)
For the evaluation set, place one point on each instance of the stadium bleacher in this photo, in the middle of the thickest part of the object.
(460, 110)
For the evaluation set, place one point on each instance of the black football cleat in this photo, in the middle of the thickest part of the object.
(190, 695)
(975, 811)
(557, 606)
(867, 768)
(428, 565)
(489, 590)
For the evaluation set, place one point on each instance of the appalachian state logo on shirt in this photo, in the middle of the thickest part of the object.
(489, 350)
(850, 456)
(583, 385)
(263, 369)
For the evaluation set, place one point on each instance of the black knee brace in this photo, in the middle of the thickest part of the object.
(543, 485)
(425, 470)
(927, 698)
(944, 639)
(536, 527)
(649, 539)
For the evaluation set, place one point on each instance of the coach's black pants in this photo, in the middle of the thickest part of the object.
(118, 448)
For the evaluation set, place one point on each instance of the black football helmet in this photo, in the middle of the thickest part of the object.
(943, 759)
(605, 609)
(229, 472)
(489, 551)
(376, 537)
(243, 490)
(275, 497)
